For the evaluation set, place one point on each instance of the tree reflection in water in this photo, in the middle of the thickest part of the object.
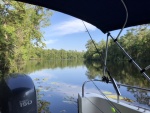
(142, 96)
(124, 73)
(43, 105)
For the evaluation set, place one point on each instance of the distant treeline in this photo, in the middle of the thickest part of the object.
(52, 54)
(136, 42)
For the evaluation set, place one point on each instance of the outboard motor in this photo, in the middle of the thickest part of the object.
(17, 94)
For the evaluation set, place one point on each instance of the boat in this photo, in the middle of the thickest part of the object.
(99, 103)
(106, 15)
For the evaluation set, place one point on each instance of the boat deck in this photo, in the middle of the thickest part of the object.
(95, 103)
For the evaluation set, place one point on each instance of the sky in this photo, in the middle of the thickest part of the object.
(68, 33)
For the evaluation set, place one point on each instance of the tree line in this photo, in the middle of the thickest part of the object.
(52, 54)
(136, 42)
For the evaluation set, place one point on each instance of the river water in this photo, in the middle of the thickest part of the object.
(59, 82)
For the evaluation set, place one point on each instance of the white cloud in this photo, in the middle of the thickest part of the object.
(50, 41)
(69, 27)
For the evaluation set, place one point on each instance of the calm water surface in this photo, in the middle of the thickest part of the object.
(58, 84)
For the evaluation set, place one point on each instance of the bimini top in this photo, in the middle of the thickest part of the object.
(107, 15)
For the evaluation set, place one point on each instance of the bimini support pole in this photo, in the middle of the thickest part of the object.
(130, 58)
(105, 69)
(105, 59)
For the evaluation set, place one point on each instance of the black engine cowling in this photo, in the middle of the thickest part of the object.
(17, 94)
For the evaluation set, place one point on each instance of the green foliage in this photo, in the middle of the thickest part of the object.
(136, 42)
(52, 54)
(21, 36)
(20, 26)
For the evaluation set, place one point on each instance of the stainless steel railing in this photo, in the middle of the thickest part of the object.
(146, 89)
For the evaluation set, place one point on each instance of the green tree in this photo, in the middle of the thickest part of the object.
(21, 24)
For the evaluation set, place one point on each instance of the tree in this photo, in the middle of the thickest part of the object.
(21, 24)
(136, 42)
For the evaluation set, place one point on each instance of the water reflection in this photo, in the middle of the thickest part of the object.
(58, 87)
(123, 72)
(142, 96)
(43, 105)
(32, 66)
(58, 83)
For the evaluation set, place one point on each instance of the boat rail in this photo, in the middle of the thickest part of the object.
(119, 84)
(144, 108)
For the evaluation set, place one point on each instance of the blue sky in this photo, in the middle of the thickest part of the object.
(67, 32)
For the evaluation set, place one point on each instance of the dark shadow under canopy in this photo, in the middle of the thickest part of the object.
(107, 15)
